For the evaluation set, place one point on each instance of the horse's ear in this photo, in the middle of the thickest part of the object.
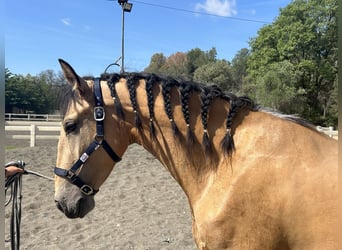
(73, 79)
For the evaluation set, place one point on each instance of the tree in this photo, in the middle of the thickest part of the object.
(8, 74)
(54, 86)
(304, 35)
(218, 73)
(277, 88)
(181, 64)
(239, 67)
(175, 65)
(156, 63)
(197, 58)
(28, 93)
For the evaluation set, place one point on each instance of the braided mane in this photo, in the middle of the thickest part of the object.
(206, 93)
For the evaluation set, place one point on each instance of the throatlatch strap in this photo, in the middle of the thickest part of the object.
(110, 151)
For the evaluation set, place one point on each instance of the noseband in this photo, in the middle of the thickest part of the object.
(99, 141)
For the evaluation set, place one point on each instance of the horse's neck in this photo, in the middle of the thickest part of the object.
(187, 164)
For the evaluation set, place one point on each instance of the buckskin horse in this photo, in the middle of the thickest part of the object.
(254, 178)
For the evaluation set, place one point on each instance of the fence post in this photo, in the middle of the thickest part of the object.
(33, 135)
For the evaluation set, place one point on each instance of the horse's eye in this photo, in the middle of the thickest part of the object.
(69, 127)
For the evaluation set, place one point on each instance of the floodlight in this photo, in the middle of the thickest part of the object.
(127, 7)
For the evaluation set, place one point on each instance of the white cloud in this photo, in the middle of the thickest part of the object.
(218, 7)
(66, 21)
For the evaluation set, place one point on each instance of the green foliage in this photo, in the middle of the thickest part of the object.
(156, 63)
(198, 65)
(218, 73)
(305, 37)
(180, 64)
(239, 68)
(28, 93)
(277, 88)
(197, 58)
(175, 65)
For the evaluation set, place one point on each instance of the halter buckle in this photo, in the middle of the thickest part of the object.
(87, 190)
(99, 113)
(70, 175)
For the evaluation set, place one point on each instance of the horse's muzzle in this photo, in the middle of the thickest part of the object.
(75, 204)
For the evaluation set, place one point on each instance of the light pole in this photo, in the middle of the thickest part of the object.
(126, 7)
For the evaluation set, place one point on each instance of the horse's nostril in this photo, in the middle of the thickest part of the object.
(59, 206)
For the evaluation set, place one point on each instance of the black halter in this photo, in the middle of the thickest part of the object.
(99, 115)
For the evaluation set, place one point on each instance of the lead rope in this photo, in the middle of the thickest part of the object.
(14, 183)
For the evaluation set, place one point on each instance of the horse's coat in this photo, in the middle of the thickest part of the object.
(254, 180)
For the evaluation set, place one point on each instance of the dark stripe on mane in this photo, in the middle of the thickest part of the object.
(111, 81)
(291, 118)
(186, 90)
(167, 85)
(206, 93)
(151, 80)
(132, 81)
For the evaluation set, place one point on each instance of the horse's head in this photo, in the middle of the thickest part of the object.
(85, 158)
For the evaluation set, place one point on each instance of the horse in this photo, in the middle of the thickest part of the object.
(254, 178)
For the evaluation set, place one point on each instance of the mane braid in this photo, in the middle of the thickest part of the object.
(111, 81)
(131, 85)
(186, 89)
(205, 102)
(151, 80)
(207, 95)
(236, 103)
(167, 86)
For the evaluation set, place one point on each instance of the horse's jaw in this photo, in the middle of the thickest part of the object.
(73, 203)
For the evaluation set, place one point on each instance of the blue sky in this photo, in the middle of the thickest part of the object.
(87, 33)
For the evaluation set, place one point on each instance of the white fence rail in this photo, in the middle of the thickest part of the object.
(31, 117)
(329, 131)
(31, 130)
